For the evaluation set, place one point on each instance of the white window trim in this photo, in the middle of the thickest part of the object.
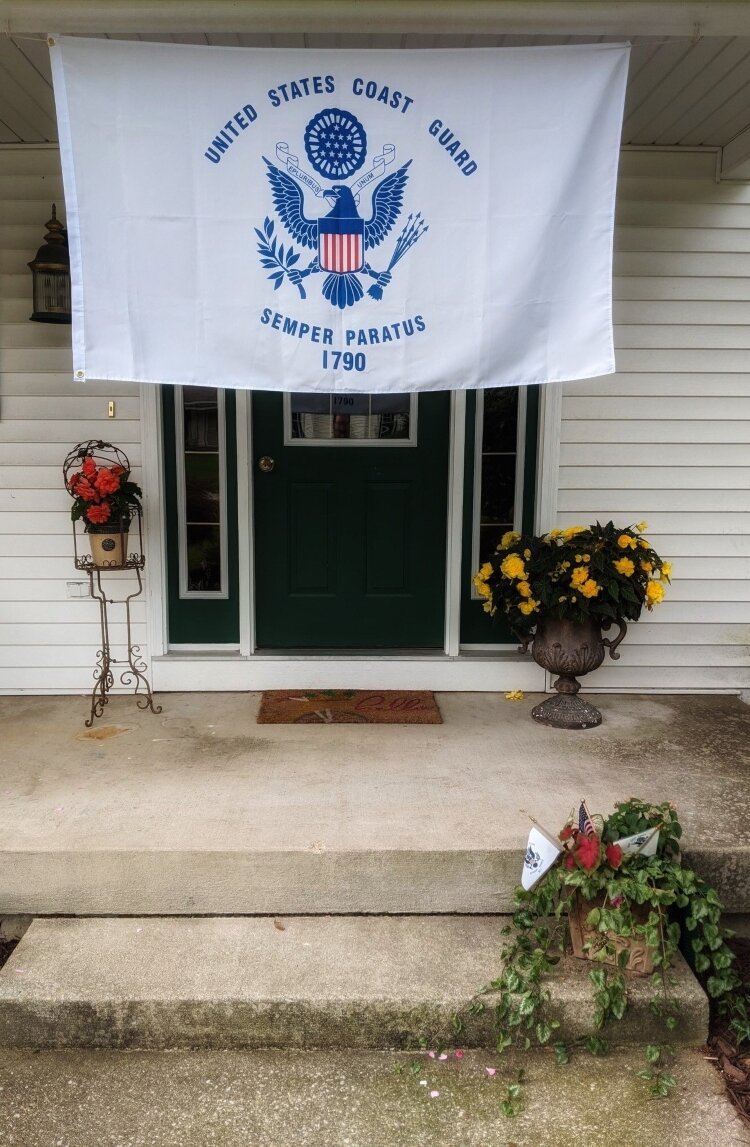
(179, 415)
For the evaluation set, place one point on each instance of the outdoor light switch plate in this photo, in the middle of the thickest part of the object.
(77, 588)
(110, 409)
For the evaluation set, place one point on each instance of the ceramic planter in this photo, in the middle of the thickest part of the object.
(109, 550)
(640, 958)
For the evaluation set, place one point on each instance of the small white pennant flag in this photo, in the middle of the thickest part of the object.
(642, 843)
(542, 851)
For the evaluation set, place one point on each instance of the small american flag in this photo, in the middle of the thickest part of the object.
(585, 823)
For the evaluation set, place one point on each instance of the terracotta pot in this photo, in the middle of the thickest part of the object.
(109, 550)
(640, 959)
(570, 648)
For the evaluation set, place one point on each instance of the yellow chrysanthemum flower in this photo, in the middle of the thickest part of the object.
(590, 588)
(489, 608)
(625, 542)
(508, 539)
(666, 570)
(654, 594)
(563, 598)
(482, 588)
(625, 566)
(587, 557)
(647, 566)
(527, 554)
(550, 537)
(641, 526)
(513, 567)
(579, 576)
(529, 606)
(644, 544)
(571, 531)
(524, 589)
(484, 571)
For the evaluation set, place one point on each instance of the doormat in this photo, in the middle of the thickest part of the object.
(348, 707)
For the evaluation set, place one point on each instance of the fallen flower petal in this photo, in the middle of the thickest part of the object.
(434, 1094)
(459, 1054)
(491, 1070)
(431, 1054)
(443, 1056)
(514, 695)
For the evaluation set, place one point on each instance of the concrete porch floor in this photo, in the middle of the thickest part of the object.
(200, 810)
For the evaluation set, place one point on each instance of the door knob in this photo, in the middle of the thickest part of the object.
(266, 464)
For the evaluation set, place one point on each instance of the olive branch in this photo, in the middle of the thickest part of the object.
(275, 259)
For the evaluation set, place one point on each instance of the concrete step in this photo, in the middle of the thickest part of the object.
(200, 811)
(353, 1099)
(358, 982)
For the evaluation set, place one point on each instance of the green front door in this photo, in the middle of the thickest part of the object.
(350, 520)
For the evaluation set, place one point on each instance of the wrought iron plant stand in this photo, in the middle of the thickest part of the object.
(134, 667)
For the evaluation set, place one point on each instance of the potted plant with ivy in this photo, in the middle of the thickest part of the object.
(621, 888)
(558, 591)
(97, 476)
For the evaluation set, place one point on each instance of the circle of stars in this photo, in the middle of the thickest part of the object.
(335, 143)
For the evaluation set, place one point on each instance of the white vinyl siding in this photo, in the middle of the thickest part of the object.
(48, 643)
(667, 439)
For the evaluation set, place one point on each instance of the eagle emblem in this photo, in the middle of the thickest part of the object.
(342, 239)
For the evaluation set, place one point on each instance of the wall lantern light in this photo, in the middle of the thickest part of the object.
(51, 271)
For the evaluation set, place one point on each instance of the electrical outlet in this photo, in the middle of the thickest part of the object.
(111, 409)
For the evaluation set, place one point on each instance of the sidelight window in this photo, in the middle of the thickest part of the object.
(498, 470)
(201, 491)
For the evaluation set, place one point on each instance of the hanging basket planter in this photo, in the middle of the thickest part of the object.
(106, 503)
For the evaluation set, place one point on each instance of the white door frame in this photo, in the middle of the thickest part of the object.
(246, 669)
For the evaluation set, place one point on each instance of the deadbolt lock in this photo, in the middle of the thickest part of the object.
(266, 464)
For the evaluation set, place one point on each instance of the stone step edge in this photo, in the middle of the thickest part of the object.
(333, 981)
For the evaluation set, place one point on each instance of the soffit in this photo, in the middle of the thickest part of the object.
(682, 91)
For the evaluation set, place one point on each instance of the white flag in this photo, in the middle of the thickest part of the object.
(542, 851)
(643, 843)
(340, 220)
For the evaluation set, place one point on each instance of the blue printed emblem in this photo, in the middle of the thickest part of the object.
(336, 147)
(335, 143)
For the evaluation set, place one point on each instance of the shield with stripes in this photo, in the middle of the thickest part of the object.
(341, 244)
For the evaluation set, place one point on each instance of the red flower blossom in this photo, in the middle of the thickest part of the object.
(587, 851)
(85, 490)
(567, 832)
(614, 855)
(106, 482)
(98, 514)
(89, 467)
(117, 470)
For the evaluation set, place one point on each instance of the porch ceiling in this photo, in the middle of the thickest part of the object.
(682, 91)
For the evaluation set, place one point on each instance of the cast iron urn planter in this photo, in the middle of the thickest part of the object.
(570, 648)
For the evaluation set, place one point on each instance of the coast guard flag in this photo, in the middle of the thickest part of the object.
(642, 843)
(542, 850)
(350, 221)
